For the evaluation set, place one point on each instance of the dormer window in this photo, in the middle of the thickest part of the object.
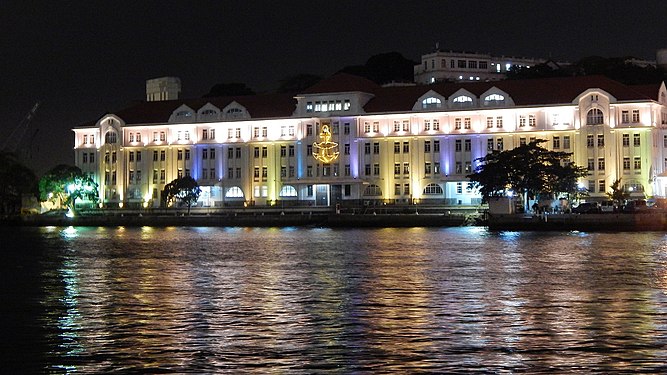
(463, 101)
(183, 114)
(494, 100)
(431, 102)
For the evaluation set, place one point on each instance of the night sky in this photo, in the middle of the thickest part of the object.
(81, 59)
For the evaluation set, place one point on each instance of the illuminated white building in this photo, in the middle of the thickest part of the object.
(397, 145)
(454, 66)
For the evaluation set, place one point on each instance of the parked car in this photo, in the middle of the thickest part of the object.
(608, 206)
(587, 208)
(636, 206)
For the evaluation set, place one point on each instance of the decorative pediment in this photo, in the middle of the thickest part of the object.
(495, 97)
(182, 114)
(462, 98)
(234, 111)
(593, 96)
(430, 101)
(208, 112)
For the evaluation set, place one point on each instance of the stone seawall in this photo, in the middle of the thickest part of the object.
(656, 221)
(249, 220)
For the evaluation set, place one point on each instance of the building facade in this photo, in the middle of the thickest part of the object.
(454, 66)
(347, 140)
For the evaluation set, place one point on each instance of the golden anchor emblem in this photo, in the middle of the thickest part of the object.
(325, 150)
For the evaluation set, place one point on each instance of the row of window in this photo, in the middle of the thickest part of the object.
(328, 106)
(459, 63)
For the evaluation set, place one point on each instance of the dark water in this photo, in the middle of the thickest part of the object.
(291, 301)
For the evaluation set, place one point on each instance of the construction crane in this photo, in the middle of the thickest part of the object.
(13, 141)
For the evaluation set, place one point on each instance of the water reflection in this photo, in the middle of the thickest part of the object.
(379, 301)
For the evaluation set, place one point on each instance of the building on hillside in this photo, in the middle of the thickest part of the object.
(349, 141)
(458, 66)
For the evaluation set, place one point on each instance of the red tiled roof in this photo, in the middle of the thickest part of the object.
(546, 91)
(259, 106)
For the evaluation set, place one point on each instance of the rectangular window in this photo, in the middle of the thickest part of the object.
(457, 145)
(499, 144)
(204, 153)
(556, 143)
(397, 147)
(635, 115)
(291, 171)
(230, 172)
(309, 150)
(466, 123)
(367, 148)
(187, 154)
(522, 141)
(499, 122)
(283, 151)
(626, 140)
(590, 141)
(591, 165)
(436, 125)
(85, 138)
(459, 167)
(427, 146)
(264, 131)
(626, 163)
(436, 168)
(406, 189)
(457, 123)
(346, 128)
(155, 176)
(376, 127)
(376, 169)
(467, 145)
(397, 168)
(600, 164)
(367, 169)
(163, 136)
(230, 153)
(204, 174)
(406, 125)
(348, 170)
(162, 155)
(406, 168)
(636, 140)
(265, 173)
(468, 167)
(162, 175)
(638, 163)
(436, 146)
(489, 145)
(566, 142)
(211, 153)
(179, 174)
(427, 125)
(131, 155)
(397, 126)
(397, 189)
(290, 151)
(376, 148)
(531, 120)
(601, 186)
(625, 117)
(367, 127)
(489, 122)
(427, 168)
(255, 132)
(238, 172)
(346, 149)
(256, 173)
(406, 147)
(265, 152)
(664, 141)
(600, 140)
(85, 157)
(256, 152)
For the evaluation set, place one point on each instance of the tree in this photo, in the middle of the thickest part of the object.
(184, 189)
(66, 184)
(298, 83)
(384, 68)
(618, 194)
(16, 180)
(529, 170)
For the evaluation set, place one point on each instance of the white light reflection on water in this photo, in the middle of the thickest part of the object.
(302, 300)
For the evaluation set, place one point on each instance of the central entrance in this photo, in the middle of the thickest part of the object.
(322, 195)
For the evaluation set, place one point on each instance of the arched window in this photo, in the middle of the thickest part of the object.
(234, 192)
(111, 137)
(433, 189)
(431, 102)
(594, 117)
(373, 190)
(288, 191)
(494, 99)
(463, 101)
